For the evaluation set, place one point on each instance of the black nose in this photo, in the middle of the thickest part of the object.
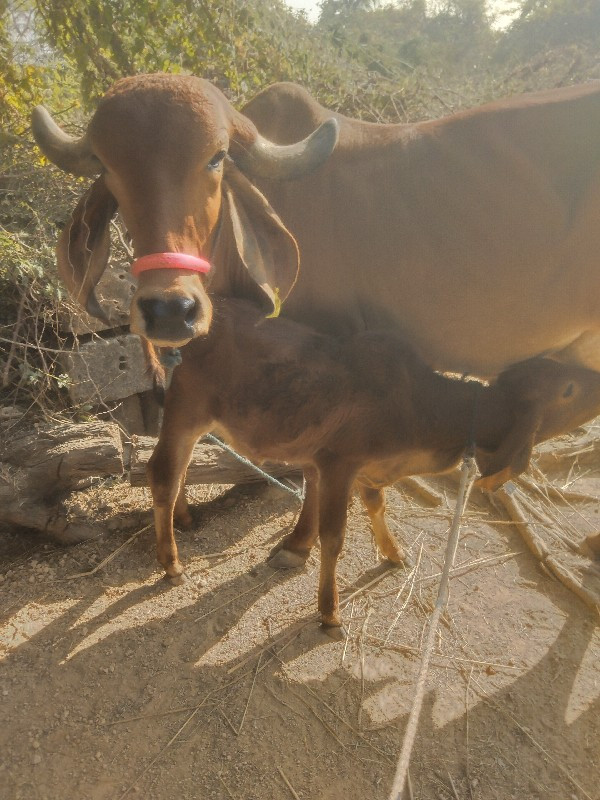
(169, 319)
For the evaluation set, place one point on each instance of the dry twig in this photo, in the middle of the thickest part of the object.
(109, 558)
(256, 671)
(288, 784)
(590, 597)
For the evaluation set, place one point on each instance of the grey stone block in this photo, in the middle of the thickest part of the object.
(114, 292)
(104, 370)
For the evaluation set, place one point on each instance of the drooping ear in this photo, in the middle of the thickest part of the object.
(512, 457)
(253, 240)
(84, 246)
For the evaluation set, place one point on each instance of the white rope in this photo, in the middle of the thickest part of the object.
(468, 472)
(298, 493)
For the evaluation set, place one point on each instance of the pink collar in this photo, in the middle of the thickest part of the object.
(169, 261)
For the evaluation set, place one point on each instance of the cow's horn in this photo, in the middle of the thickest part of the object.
(263, 159)
(70, 154)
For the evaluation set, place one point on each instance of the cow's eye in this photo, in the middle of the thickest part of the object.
(216, 160)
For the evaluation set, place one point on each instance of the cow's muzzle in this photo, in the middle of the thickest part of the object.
(170, 306)
(173, 319)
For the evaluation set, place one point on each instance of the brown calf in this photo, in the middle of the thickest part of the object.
(364, 410)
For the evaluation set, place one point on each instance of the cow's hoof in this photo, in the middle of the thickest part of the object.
(176, 580)
(286, 559)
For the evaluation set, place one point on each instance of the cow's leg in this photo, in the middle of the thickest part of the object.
(166, 474)
(374, 502)
(294, 549)
(335, 486)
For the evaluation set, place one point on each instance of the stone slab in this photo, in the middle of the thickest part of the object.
(114, 292)
(105, 370)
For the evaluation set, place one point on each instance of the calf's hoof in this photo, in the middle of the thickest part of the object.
(184, 521)
(394, 554)
(335, 630)
(397, 562)
(286, 559)
(176, 580)
(174, 573)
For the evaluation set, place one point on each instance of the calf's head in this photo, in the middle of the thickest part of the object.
(176, 159)
(545, 398)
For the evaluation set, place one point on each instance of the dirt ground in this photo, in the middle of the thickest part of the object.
(116, 685)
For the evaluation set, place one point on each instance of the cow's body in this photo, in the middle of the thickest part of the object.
(362, 409)
(477, 236)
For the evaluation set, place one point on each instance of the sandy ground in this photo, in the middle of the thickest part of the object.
(114, 685)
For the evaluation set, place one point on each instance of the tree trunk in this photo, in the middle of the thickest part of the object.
(209, 464)
(39, 466)
(56, 458)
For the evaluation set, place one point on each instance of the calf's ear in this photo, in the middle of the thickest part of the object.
(254, 253)
(84, 246)
(512, 456)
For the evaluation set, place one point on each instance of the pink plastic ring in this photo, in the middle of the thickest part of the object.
(169, 261)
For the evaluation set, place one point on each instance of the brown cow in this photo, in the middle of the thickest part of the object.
(476, 236)
(364, 409)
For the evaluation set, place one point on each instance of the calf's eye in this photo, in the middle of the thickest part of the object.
(568, 391)
(216, 160)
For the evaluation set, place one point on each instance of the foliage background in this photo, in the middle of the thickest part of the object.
(381, 61)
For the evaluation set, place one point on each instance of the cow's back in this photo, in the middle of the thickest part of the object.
(469, 235)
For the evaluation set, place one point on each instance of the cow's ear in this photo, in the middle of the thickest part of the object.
(84, 246)
(253, 240)
(512, 457)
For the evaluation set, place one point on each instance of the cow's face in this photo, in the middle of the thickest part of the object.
(171, 153)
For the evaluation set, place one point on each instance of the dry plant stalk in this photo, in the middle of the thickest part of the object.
(536, 545)
(468, 472)
(288, 784)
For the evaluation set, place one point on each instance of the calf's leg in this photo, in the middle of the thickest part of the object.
(166, 475)
(335, 485)
(181, 512)
(590, 547)
(374, 502)
(294, 549)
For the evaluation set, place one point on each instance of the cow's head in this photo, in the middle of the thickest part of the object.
(176, 159)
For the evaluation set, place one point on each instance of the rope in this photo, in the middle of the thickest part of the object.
(468, 472)
(298, 494)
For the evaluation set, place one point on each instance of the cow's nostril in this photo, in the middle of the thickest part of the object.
(152, 310)
(191, 312)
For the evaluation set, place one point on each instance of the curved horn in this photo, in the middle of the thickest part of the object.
(70, 154)
(263, 159)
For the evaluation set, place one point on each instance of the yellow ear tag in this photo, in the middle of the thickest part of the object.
(276, 304)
